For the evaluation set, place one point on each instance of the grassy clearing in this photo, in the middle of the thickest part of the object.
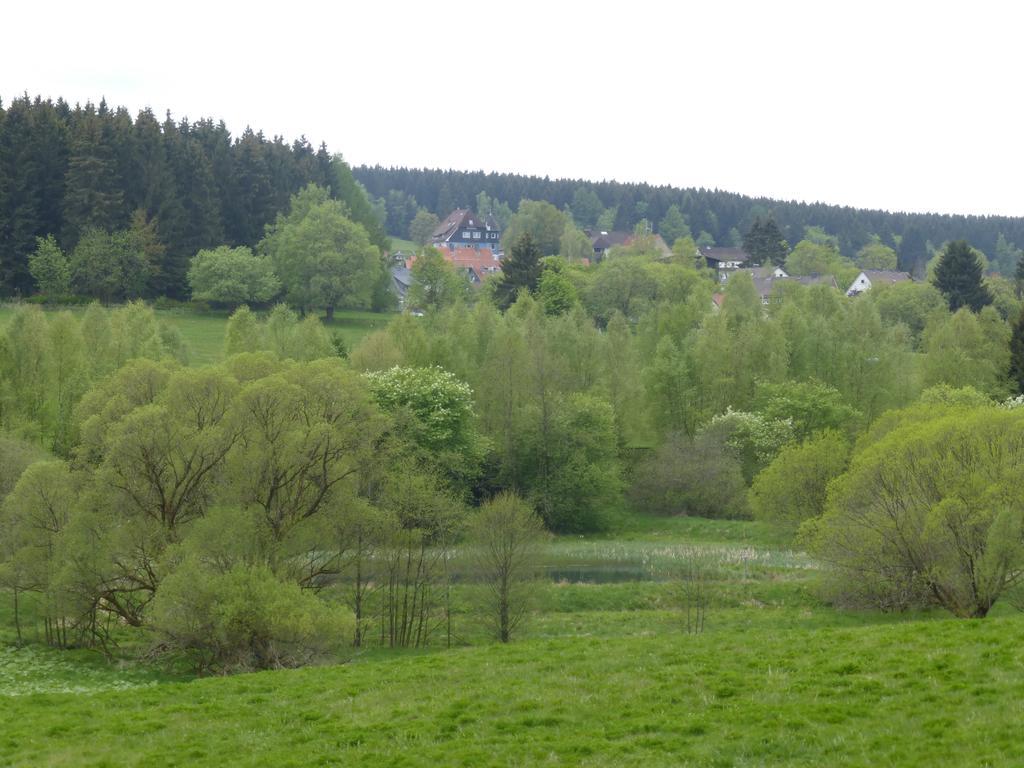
(641, 527)
(919, 693)
(204, 332)
(603, 675)
(35, 669)
(406, 246)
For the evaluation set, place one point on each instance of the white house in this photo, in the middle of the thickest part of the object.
(876, 277)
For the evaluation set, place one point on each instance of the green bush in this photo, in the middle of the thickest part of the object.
(69, 300)
(244, 618)
(792, 488)
(698, 476)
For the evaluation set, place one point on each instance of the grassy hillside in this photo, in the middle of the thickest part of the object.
(406, 246)
(204, 333)
(921, 693)
(603, 675)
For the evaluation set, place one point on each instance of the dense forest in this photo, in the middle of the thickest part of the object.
(66, 171)
(715, 216)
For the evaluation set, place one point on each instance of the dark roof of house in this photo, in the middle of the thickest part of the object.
(402, 275)
(460, 218)
(760, 272)
(886, 276)
(448, 227)
(401, 279)
(815, 279)
(766, 284)
(602, 241)
(724, 254)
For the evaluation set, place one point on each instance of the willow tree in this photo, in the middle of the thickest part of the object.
(930, 512)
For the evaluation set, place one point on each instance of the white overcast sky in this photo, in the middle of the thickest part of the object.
(898, 105)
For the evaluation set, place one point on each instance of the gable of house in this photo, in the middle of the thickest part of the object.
(464, 228)
(870, 278)
(724, 258)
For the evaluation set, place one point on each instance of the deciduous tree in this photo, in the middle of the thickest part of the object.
(323, 258)
(423, 226)
(504, 535)
(232, 276)
(436, 284)
(50, 268)
(930, 513)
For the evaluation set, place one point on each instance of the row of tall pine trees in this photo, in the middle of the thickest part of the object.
(66, 169)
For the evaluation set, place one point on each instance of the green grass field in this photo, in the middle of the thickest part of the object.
(604, 674)
(406, 246)
(204, 332)
(920, 693)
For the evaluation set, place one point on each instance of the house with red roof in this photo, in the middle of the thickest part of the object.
(477, 264)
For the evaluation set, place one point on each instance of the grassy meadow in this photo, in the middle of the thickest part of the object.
(203, 332)
(405, 246)
(604, 674)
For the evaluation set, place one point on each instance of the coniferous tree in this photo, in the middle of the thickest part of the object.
(65, 170)
(20, 220)
(1017, 355)
(4, 180)
(445, 201)
(521, 270)
(197, 184)
(345, 188)
(252, 189)
(765, 243)
(214, 144)
(959, 277)
(913, 251)
(93, 198)
(673, 226)
(33, 159)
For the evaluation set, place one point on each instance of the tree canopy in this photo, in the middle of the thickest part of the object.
(232, 276)
(958, 275)
(322, 258)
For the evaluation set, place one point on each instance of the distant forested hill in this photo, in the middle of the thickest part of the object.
(723, 216)
(64, 170)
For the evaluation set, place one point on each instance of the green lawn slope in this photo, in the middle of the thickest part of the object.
(920, 693)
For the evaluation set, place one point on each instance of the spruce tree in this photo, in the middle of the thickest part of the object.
(1017, 354)
(673, 226)
(913, 252)
(20, 220)
(765, 243)
(93, 196)
(520, 270)
(204, 225)
(252, 189)
(959, 277)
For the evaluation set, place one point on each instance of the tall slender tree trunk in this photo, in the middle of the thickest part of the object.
(17, 616)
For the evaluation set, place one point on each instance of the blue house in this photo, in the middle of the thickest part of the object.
(464, 229)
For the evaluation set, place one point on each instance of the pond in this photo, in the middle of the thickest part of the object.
(600, 573)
